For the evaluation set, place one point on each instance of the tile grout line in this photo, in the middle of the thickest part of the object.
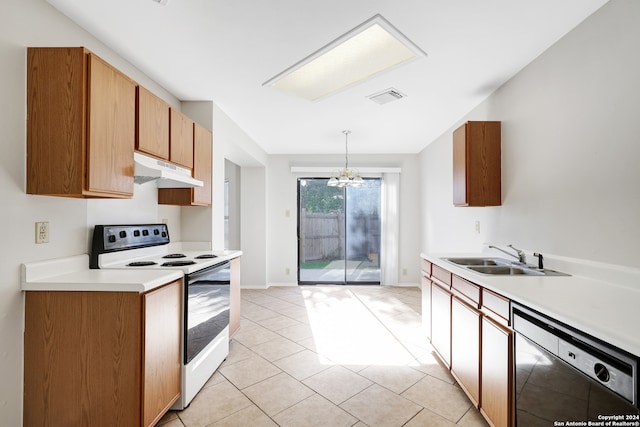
(353, 293)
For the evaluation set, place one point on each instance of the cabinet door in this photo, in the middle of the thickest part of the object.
(465, 347)
(82, 358)
(234, 309)
(426, 305)
(476, 164)
(497, 373)
(152, 124)
(441, 322)
(161, 351)
(111, 130)
(181, 145)
(56, 100)
(460, 166)
(202, 170)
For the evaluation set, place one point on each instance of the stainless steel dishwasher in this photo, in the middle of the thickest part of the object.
(565, 375)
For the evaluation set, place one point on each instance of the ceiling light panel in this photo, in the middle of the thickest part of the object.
(369, 49)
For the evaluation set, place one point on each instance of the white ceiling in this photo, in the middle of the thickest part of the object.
(223, 50)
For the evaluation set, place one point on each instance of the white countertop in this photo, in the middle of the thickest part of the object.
(604, 304)
(73, 274)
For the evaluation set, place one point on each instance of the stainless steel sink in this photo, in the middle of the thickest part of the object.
(506, 270)
(478, 261)
(501, 267)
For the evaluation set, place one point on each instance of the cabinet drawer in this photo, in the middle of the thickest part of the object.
(494, 305)
(441, 274)
(467, 289)
(426, 267)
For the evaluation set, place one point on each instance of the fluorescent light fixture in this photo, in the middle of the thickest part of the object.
(367, 50)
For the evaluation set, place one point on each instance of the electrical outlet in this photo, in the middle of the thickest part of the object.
(287, 271)
(477, 227)
(42, 232)
(404, 271)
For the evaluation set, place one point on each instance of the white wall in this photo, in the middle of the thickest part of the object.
(282, 244)
(26, 23)
(232, 173)
(254, 222)
(196, 221)
(233, 144)
(570, 152)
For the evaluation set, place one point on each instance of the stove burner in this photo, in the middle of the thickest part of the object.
(140, 263)
(204, 256)
(178, 263)
(175, 256)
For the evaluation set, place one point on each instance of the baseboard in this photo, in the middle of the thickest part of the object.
(271, 285)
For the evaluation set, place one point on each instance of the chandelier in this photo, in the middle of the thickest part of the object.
(346, 177)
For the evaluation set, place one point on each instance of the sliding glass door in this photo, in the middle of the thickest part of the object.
(338, 232)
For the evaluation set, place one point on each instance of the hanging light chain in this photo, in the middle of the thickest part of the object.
(346, 149)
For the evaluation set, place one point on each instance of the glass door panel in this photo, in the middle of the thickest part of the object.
(320, 232)
(363, 233)
(338, 232)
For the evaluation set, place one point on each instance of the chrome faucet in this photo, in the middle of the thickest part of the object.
(522, 257)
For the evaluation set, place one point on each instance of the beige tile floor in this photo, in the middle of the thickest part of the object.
(329, 356)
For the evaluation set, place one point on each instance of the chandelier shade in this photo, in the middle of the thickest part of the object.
(346, 177)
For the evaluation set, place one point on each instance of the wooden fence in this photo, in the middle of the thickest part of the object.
(322, 237)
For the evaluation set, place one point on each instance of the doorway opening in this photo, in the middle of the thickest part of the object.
(338, 232)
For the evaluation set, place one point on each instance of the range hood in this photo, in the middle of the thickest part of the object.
(166, 174)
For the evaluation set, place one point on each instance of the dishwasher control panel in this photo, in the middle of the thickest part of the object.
(614, 374)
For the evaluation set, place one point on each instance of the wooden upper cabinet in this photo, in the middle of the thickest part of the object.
(202, 170)
(80, 125)
(181, 139)
(152, 124)
(476, 164)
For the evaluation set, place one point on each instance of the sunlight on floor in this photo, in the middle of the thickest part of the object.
(341, 319)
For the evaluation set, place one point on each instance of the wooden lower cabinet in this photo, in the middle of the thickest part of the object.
(465, 347)
(497, 374)
(469, 330)
(426, 305)
(101, 358)
(441, 322)
(161, 360)
(234, 308)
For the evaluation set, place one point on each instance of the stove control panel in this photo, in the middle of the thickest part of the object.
(111, 238)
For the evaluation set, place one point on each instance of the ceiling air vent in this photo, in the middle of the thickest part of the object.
(386, 96)
(162, 2)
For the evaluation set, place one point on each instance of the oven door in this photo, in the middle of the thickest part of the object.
(206, 307)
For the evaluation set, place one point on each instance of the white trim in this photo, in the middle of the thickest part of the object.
(333, 169)
(314, 87)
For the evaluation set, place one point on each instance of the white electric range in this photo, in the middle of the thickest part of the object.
(205, 342)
